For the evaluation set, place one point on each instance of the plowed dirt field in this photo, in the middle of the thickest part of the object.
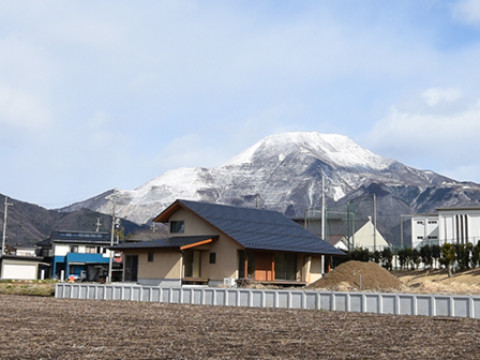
(48, 328)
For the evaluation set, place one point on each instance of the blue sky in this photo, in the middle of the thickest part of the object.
(102, 94)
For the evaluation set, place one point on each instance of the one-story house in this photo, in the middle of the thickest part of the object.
(218, 244)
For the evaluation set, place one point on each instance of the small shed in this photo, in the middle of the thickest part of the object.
(22, 267)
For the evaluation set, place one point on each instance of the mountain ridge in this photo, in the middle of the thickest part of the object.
(28, 223)
(283, 172)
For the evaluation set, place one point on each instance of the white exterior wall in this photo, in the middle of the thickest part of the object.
(61, 249)
(364, 238)
(474, 223)
(425, 230)
(64, 249)
(341, 245)
(455, 226)
(25, 252)
(459, 225)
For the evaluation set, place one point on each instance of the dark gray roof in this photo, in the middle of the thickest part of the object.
(172, 242)
(44, 242)
(80, 237)
(258, 229)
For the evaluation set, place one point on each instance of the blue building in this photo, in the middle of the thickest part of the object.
(83, 254)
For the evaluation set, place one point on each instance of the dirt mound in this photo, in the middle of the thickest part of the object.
(360, 276)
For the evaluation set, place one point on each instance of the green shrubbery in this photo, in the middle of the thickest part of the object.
(383, 258)
(450, 256)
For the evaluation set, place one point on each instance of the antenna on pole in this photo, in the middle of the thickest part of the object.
(7, 204)
(97, 225)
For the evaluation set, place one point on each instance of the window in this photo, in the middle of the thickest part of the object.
(419, 237)
(250, 257)
(150, 256)
(74, 249)
(91, 249)
(285, 266)
(432, 221)
(420, 222)
(177, 227)
(213, 258)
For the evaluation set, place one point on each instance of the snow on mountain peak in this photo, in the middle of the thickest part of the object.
(338, 150)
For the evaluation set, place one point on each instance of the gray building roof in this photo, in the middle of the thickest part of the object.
(77, 237)
(255, 228)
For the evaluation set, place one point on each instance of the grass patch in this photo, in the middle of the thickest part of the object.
(29, 288)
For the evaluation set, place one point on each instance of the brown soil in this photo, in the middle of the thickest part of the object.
(438, 281)
(359, 276)
(48, 328)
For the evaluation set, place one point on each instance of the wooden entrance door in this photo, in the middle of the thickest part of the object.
(263, 267)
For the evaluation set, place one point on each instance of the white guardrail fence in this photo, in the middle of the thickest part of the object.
(379, 303)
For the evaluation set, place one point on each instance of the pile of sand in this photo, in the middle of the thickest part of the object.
(359, 276)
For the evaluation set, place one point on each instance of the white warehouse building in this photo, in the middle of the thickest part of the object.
(452, 225)
(459, 225)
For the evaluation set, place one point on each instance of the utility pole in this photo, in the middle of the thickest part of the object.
(323, 206)
(348, 226)
(7, 204)
(112, 238)
(323, 219)
(374, 222)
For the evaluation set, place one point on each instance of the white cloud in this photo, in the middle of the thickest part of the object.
(188, 150)
(467, 11)
(197, 83)
(428, 140)
(434, 96)
(467, 172)
(22, 110)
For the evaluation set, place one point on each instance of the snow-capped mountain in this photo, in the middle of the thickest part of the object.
(284, 172)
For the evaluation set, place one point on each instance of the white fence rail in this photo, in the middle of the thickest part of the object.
(380, 303)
